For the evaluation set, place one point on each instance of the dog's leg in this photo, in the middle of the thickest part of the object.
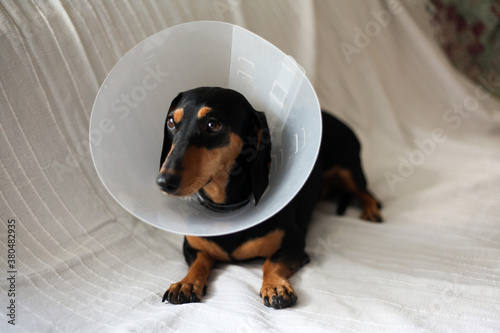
(194, 284)
(277, 291)
(343, 202)
(342, 178)
(370, 207)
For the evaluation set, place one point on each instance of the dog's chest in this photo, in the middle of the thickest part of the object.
(264, 247)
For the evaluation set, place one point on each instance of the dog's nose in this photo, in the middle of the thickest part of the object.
(168, 183)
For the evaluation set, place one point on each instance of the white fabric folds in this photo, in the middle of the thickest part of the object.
(431, 152)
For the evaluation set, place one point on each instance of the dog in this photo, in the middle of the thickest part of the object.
(217, 146)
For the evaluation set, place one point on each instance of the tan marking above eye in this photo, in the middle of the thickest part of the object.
(203, 112)
(178, 114)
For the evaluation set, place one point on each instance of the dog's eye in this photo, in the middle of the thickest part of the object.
(213, 126)
(171, 123)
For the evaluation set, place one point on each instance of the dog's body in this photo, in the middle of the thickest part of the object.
(216, 144)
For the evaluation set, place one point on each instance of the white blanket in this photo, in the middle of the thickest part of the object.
(431, 152)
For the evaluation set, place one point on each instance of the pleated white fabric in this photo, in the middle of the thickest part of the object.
(430, 147)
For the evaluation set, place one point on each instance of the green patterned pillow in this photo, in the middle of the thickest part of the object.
(469, 32)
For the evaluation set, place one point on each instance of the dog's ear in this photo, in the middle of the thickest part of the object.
(167, 142)
(262, 162)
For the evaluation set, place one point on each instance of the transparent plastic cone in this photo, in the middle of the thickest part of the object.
(126, 126)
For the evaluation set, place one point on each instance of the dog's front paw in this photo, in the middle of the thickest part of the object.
(372, 214)
(371, 209)
(185, 292)
(278, 296)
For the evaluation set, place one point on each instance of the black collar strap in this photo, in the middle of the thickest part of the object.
(221, 208)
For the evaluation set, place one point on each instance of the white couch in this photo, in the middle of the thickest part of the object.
(431, 152)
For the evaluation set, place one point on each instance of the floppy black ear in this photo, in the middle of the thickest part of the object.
(262, 162)
(167, 142)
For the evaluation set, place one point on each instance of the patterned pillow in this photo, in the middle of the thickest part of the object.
(469, 32)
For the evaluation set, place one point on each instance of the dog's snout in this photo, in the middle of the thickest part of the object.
(168, 183)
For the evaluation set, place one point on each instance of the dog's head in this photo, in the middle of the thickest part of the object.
(216, 142)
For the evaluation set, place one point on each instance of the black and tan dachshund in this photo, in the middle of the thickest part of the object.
(216, 145)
